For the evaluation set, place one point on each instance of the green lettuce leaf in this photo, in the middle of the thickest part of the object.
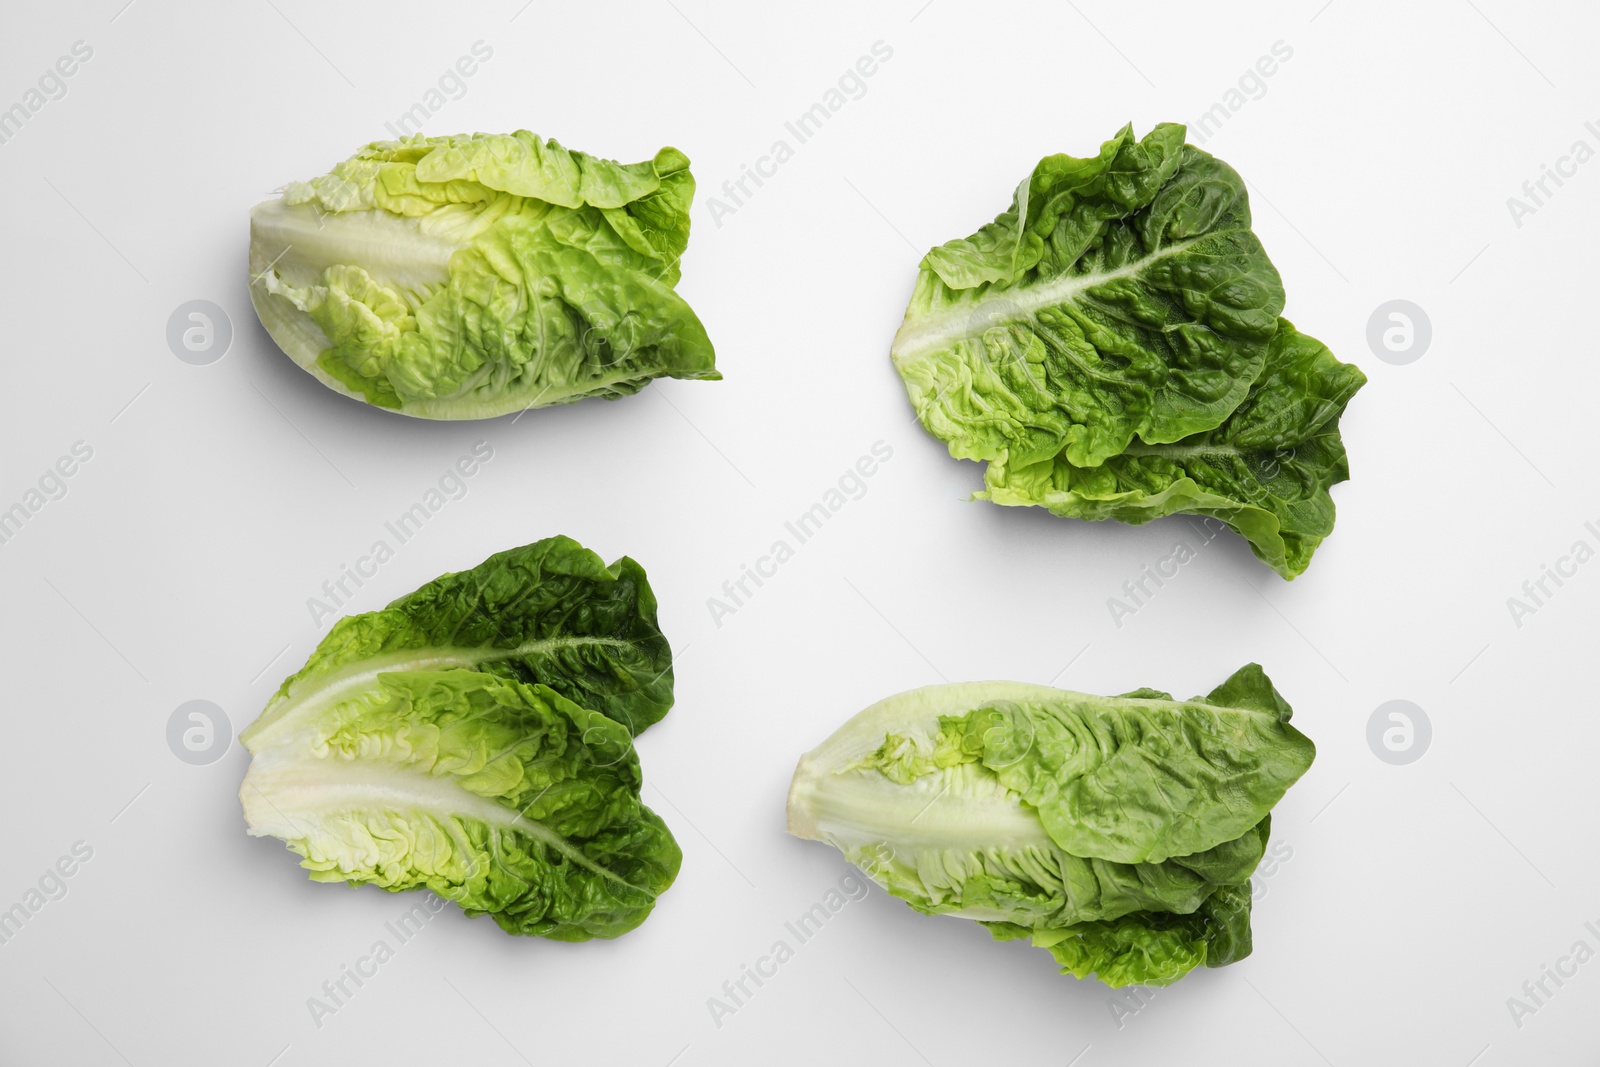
(1032, 881)
(1148, 948)
(506, 798)
(1111, 348)
(1120, 297)
(1265, 471)
(1115, 831)
(470, 276)
(551, 613)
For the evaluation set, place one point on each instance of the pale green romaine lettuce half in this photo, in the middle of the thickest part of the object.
(506, 798)
(1118, 832)
(467, 277)
(1120, 297)
(475, 737)
(1265, 471)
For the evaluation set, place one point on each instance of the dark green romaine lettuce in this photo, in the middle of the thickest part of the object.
(1111, 346)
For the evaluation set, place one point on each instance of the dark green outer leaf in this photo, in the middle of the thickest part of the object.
(1148, 948)
(551, 612)
(1265, 471)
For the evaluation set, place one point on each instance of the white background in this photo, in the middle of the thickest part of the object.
(219, 498)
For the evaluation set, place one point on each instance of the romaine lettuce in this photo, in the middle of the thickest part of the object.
(476, 738)
(1111, 346)
(470, 276)
(1118, 832)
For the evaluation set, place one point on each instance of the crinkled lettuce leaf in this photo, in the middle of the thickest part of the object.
(1111, 347)
(469, 276)
(1118, 832)
(1265, 471)
(475, 737)
(1152, 948)
(507, 798)
(550, 613)
(1120, 297)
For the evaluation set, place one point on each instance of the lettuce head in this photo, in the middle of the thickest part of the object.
(1119, 833)
(1112, 346)
(475, 738)
(469, 276)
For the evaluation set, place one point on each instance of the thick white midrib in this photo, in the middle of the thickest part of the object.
(301, 242)
(274, 792)
(330, 689)
(932, 332)
(864, 807)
